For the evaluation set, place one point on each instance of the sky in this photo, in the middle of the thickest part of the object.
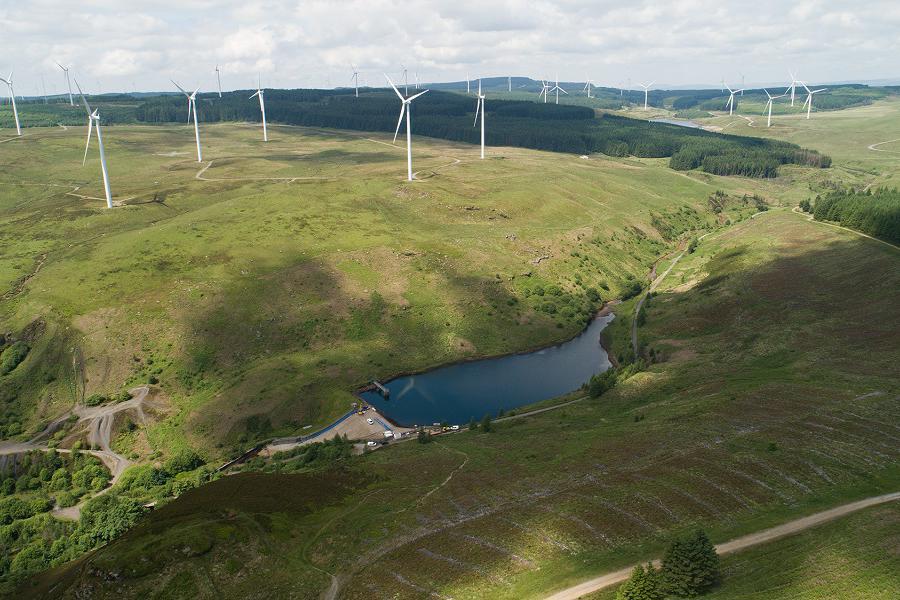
(124, 45)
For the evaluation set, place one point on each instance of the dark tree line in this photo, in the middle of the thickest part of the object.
(524, 124)
(876, 213)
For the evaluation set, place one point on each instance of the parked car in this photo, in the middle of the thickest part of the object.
(370, 444)
(454, 427)
(370, 421)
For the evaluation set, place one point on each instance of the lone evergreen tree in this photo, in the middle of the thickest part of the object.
(644, 584)
(486, 424)
(690, 566)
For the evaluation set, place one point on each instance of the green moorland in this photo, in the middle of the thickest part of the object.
(255, 290)
(864, 142)
(258, 289)
(854, 557)
(766, 402)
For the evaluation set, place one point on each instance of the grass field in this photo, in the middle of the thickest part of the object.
(259, 304)
(263, 285)
(855, 557)
(845, 135)
(769, 404)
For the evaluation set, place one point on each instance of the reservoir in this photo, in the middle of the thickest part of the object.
(457, 393)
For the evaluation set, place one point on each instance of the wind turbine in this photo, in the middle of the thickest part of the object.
(66, 71)
(646, 92)
(355, 78)
(405, 81)
(479, 105)
(558, 89)
(545, 90)
(405, 108)
(219, 81)
(192, 107)
(468, 88)
(730, 103)
(509, 84)
(9, 83)
(769, 106)
(793, 86)
(587, 88)
(809, 98)
(262, 108)
(94, 116)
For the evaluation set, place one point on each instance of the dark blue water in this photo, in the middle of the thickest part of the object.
(458, 393)
(680, 123)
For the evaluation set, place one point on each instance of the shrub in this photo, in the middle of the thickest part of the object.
(12, 357)
(601, 383)
(424, 437)
(95, 400)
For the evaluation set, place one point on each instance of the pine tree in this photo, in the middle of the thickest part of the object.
(644, 584)
(690, 566)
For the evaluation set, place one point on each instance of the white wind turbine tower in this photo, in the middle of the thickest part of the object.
(558, 89)
(355, 78)
(730, 103)
(219, 81)
(94, 117)
(587, 88)
(545, 90)
(479, 105)
(12, 95)
(192, 108)
(769, 106)
(646, 92)
(509, 84)
(405, 108)
(262, 108)
(468, 88)
(68, 84)
(405, 81)
(809, 97)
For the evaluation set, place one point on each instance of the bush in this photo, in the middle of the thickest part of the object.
(601, 383)
(95, 400)
(106, 517)
(424, 437)
(12, 357)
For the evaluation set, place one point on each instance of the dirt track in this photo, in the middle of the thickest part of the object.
(760, 537)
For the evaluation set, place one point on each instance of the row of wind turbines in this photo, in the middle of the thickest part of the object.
(405, 109)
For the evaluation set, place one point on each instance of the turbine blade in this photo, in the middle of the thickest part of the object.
(179, 87)
(411, 98)
(87, 107)
(399, 121)
(254, 95)
(88, 143)
(477, 108)
(399, 95)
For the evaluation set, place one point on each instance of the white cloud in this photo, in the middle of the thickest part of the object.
(311, 42)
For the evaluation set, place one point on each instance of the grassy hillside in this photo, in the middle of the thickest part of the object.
(854, 557)
(260, 287)
(767, 402)
(862, 141)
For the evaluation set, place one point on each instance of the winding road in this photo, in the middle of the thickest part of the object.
(735, 545)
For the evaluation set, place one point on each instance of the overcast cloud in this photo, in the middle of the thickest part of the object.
(116, 45)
